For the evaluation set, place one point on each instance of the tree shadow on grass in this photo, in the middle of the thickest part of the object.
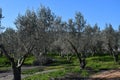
(57, 63)
(80, 78)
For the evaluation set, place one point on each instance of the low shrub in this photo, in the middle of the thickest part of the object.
(43, 61)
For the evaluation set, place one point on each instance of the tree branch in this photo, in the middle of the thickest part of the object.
(75, 49)
(6, 53)
(22, 59)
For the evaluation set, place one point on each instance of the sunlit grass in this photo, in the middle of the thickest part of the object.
(4, 62)
(96, 63)
(47, 76)
(29, 60)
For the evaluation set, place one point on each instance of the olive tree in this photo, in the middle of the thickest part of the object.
(92, 37)
(75, 40)
(17, 45)
(110, 38)
(43, 33)
(15, 50)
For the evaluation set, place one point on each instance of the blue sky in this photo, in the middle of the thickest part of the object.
(94, 11)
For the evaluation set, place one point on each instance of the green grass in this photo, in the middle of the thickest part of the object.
(5, 68)
(101, 58)
(29, 60)
(96, 63)
(4, 62)
(58, 73)
(47, 76)
(32, 71)
(84, 73)
(102, 62)
(53, 67)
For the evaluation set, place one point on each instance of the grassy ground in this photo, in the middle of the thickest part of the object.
(102, 63)
(29, 60)
(4, 62)
(95, 64)
(47, 76)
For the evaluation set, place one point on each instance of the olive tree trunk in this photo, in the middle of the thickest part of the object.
(80, 56)
(16, 72)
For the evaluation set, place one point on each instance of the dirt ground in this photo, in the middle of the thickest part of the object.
(103, 75)
(110, 74)
(8, 75)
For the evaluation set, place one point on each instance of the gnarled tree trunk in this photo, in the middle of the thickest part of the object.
(115, 56)
(16, 72)
(81, 56)
(16, 66)
(83, 63)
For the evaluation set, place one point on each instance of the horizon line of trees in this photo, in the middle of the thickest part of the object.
(40, 32)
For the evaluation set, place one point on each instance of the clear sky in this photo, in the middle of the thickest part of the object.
(94, 11)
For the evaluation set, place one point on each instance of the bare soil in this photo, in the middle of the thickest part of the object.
(110, 74)
(8, 75)
(103, 75)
